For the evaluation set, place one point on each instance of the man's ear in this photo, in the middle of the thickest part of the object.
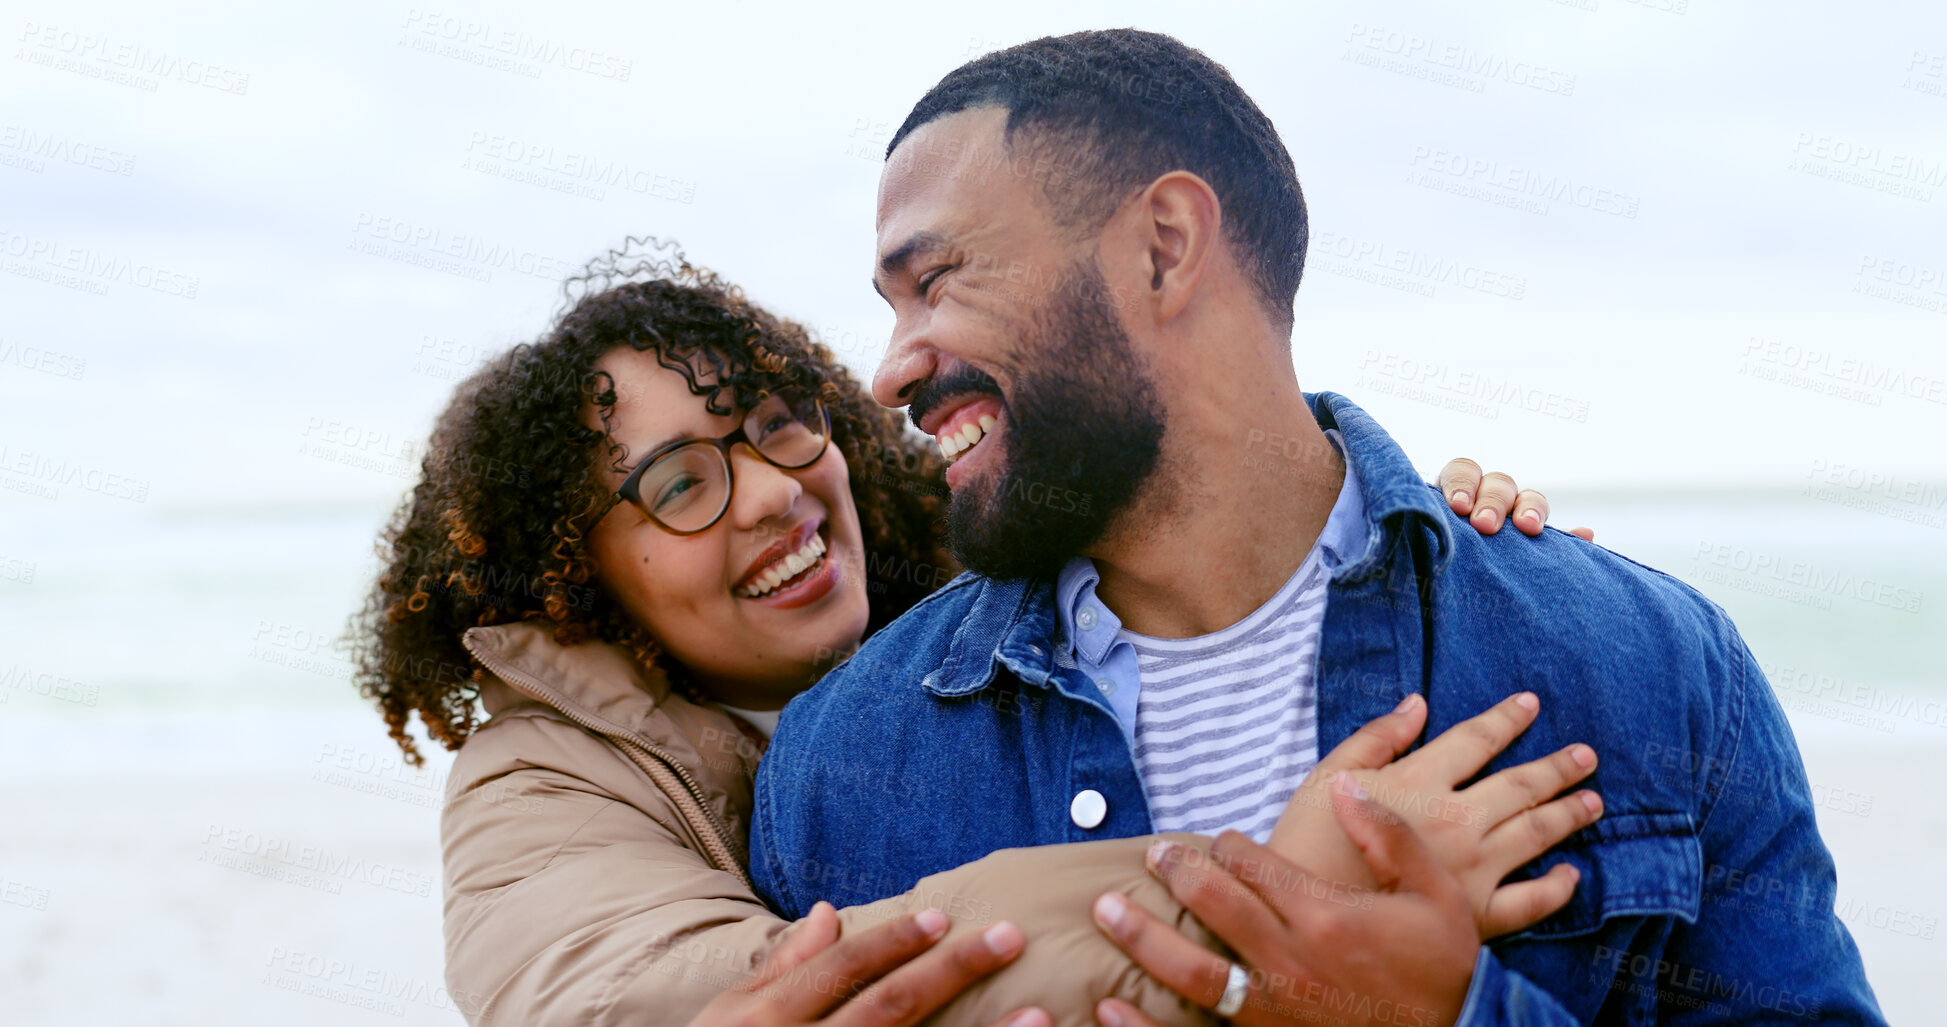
(1182, 222)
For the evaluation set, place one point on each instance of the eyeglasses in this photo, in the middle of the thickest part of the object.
(684, 487)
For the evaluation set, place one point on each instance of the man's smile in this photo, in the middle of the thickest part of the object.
(965, 424)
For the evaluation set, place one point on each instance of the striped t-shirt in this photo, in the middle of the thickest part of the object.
(1223, 727)
(1227, 723)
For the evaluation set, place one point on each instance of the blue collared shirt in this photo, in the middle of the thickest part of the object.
(1096, 645)
(954, 732)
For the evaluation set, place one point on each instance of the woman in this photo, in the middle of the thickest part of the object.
(632, 543)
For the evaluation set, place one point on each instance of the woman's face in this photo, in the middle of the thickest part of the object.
(693, 592)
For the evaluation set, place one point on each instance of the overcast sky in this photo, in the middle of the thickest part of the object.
(1595, 242)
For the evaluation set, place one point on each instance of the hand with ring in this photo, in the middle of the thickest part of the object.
(1381, 880)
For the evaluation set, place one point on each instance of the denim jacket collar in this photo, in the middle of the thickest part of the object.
(1013, 623)
(1010, 623)
(1398, 501)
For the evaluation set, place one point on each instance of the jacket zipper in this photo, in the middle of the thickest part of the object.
(646, 755)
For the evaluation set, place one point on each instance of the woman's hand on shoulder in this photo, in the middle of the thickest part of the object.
(892, 975)
(1488, 500)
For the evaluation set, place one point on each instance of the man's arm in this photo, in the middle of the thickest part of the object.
(891, 975)
(1768, 945)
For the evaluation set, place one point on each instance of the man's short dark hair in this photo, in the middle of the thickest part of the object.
(1124, 107)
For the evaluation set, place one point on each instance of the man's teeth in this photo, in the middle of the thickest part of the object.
(955, 443)
(784, 570)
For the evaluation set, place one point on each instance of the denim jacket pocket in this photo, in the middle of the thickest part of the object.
(1632, 864)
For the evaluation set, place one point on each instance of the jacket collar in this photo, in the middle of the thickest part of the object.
(1398, 501)
(596, 682)
(602, 688)
(1012, 623)
(1021, 616)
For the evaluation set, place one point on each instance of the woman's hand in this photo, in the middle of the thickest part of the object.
(1381, 879)
(889, 976)
(1404, 953)
(1477, 835)
(1486, 499)
(1480, 834)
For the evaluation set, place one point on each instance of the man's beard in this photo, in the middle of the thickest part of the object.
(1084, 432)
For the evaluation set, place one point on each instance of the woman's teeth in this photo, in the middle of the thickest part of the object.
(955, 443)
(810, 555)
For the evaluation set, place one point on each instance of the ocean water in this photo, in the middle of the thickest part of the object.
(111, 608)
(184, 610)
(1841, 597)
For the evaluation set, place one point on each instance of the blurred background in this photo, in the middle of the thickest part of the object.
(1681, 264)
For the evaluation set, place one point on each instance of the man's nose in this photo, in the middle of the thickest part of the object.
(907, 361)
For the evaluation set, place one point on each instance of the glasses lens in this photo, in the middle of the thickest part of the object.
(789, 431)
(686, 489)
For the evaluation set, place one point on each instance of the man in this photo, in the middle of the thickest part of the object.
(1189, 578)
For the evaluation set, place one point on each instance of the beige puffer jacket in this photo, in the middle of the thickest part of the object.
(595, 834)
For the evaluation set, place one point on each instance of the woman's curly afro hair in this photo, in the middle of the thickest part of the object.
(496, 529)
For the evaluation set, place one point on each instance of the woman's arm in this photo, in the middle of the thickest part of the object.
(566, 904)
(1054, 892)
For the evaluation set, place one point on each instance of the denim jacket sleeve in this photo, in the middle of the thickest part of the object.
(1499, 997)
(1768, 946)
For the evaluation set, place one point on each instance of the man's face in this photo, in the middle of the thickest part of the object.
(1010, 350)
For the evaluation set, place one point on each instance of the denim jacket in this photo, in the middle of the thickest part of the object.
(1706, 894)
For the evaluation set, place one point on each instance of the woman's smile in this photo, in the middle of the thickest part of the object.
(797, 570)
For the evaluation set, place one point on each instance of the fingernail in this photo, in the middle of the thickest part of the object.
(1407, 703)
(932, 921)
(1158, 853)
(1459, 496)
(1106, 1015)
(1003, 939)
(1574, 874)
(1592, 802)
(1583, 755)
(1109, 909)
(1528, 701)
(1485, 518)
(1349, 785)
(1030, 1017)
